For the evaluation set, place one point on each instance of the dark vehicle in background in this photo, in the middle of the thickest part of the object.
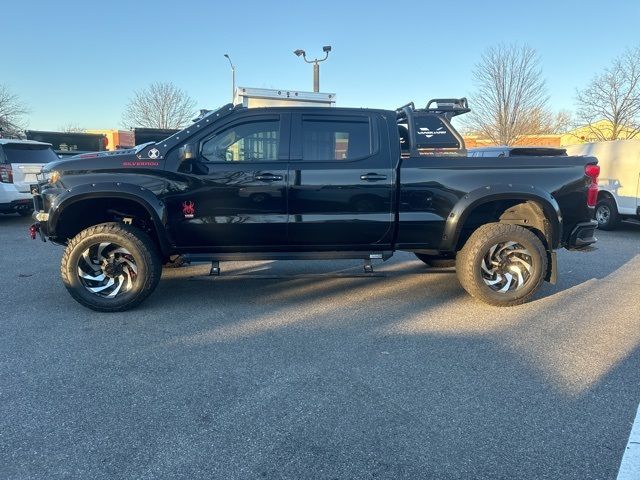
(314, 183)
(66, 144)
(146, 135)
(20, 162)
(524, 151)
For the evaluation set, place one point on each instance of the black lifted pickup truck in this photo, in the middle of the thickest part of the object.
(314, 183)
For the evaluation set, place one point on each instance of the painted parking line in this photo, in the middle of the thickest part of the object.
(630, 466)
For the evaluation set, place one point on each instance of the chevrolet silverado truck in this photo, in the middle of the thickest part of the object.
(314, 183)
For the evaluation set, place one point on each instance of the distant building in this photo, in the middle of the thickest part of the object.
(116, 138)
(584, 134)
(594, 133)
(70, 143)
(553, 140)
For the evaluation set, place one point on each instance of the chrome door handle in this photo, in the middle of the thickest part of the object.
(268, 177)
(372, 177)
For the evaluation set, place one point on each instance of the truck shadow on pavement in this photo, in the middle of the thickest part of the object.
(409, 364)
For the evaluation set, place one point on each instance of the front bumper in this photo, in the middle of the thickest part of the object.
(582, 235)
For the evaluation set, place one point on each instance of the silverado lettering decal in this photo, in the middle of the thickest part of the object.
(140, 164)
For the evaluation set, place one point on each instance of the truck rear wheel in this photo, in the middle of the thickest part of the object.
(502, 264)
(110, 267)
(436, 261)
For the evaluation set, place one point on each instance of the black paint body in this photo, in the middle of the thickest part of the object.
(380, 202)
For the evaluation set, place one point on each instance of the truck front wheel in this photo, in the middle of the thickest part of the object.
(110, 267)
(502, 264)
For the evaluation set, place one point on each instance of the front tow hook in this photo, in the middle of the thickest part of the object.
(34, 230)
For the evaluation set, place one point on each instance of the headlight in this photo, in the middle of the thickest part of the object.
(50, 177)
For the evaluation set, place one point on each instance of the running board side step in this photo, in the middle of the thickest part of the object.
(248, 256)
(216, 258)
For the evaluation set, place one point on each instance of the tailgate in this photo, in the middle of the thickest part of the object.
(24, 175)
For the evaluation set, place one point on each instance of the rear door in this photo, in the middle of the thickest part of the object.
(340, 181)
(26, 161)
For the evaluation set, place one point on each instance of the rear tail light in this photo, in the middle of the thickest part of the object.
(592, 171)
(6, 173)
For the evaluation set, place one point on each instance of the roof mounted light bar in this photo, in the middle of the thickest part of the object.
(449, 106)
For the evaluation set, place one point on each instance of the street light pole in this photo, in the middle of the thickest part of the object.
(316, 77)
(233, 78)
(316, 67)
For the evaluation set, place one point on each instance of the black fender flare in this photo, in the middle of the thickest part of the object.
(143, 196)
(490, 193)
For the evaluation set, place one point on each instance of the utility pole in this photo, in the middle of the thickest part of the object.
(233, 77)
(316, 67)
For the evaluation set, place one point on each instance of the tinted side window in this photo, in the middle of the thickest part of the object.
(246, 142)
(26, 153)
(344, 139)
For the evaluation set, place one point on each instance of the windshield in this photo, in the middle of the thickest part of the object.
(28, 153)
(200, 120)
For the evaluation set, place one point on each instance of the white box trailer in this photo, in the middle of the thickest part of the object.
(619, 180)
(267, 97)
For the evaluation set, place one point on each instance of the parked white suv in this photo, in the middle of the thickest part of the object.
(619, 181)
(20, 162)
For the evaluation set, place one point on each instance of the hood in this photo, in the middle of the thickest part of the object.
(146, 155)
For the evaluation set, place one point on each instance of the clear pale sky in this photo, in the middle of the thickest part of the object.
(79, 61)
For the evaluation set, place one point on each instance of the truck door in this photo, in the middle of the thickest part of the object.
(341, 181)
(237, 187)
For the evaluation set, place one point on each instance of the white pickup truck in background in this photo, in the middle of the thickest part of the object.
(619, 181)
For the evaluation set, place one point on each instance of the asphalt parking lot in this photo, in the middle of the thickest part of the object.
(273, 371)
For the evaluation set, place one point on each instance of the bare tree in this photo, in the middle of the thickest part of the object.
(160, 105)
(543, 121)
(12, 113)
(71, 128)
(613, 96)
(511, 96)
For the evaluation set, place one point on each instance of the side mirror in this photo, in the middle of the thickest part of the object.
(186, 152)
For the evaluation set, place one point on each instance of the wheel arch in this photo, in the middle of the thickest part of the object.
(504, 198)
(603, 193)
(87, 205)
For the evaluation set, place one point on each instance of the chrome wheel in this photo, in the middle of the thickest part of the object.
(603, 214)
(107, 269)
(506, 267)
